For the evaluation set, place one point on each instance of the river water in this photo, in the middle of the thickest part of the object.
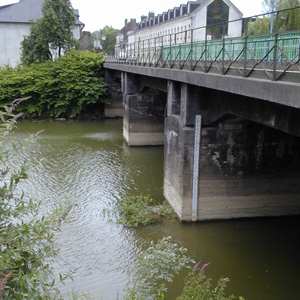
(88, 166)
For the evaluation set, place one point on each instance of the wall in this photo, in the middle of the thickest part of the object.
(11, 36)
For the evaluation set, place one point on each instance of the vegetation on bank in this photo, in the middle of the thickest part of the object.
(26, 236)
(158, 265)
(133, 211)
(161, 261)
(66, 87)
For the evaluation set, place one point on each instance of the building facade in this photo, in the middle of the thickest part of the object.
(15, 25)
(194, 21)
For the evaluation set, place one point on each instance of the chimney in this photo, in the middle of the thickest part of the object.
(143, 18)
(126, 21)
(151, 15)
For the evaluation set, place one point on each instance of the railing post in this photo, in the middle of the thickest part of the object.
(191, 56)
(143, 50)
(139, 49)
(223, 52)
(245, 47)
(275, 48)
(149, 49)
(155, 55)
(205, 50)
(170, 47)
(134, 51)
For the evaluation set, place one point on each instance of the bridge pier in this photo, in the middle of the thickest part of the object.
(115, 106)
(143, 121)
(246, 169)
(249, 158)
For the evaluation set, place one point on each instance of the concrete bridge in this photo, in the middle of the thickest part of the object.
(232, 144)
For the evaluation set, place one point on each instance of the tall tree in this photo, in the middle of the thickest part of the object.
(35, 47)
(52, 31)
(289, 20)
(108, 39)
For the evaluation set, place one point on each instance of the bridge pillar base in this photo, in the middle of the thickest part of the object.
(143, 121)
(246, 170)
(115, 106)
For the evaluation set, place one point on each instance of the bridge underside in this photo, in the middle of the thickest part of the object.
(248, 163)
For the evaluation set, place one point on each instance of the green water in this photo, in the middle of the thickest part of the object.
(89, 165)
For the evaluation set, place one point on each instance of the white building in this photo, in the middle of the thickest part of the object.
(194, 21)
(15, 24)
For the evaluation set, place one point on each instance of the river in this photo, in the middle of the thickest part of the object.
(89, 166)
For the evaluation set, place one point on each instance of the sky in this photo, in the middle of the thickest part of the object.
(95, 14)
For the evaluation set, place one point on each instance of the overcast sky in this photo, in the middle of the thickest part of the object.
(95, 14)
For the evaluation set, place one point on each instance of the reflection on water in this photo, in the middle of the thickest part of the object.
(88, 165)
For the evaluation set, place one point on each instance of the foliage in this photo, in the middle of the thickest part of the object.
(26, 238)
(159, 263)
(66, 87)
(259, 26)
(35, 47)
(108, 43)
(141, 210)
(154, 267)
(288, 20)
(199, 287)
(52, 31)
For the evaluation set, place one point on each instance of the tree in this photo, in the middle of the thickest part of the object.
(58, 19)
(259, 26)
(108, 39)
(52, 31)
(289, 20)
(35, 47)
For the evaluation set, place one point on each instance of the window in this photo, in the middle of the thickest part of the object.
(217, 19)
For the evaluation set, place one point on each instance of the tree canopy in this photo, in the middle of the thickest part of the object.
(288, 20)
(52, 31)
(108, 39)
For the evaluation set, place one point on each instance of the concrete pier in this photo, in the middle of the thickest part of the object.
(248, 161)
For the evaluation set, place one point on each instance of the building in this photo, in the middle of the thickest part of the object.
(15, 24)
(194, 21)
(122, 36)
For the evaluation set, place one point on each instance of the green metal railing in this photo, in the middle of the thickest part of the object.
(268, 56)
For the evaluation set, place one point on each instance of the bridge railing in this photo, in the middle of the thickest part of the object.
(224, 49)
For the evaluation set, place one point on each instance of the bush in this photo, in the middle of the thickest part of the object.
(154, 267)
(133, 211)
(63, 88)
(26, 238)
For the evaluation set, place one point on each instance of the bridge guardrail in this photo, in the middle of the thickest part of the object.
(272, 56)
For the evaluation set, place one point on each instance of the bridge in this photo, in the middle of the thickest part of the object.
(229, 121)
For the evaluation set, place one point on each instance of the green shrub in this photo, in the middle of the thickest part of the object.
(154, 267)
(141, 210)
(198, 287)
(26, 237)
(63, 88)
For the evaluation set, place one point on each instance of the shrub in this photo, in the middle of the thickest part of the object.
(26, 238)
(63, 88)
(141, 210)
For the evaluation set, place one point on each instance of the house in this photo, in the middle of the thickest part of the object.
(122, 36)
(194, 21)
(15, 24)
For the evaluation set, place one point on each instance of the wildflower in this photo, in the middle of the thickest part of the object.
(197, 265)
(204, 266)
